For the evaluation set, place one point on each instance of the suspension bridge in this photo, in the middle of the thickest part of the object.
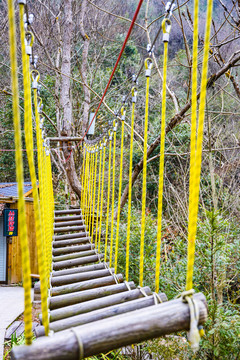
(88, 307)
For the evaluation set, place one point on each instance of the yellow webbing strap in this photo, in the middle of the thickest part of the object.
(94, 192)
(148, 66)
(83, 173)
(193, 211)
(102, 190)
(41, 244)
(87, 185)
(113, 192)
(108, 194)
(19, 176)
(98, 199)
(166, 30)
(119, 193)
(134, 96)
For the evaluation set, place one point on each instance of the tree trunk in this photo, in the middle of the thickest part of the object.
(65, 98)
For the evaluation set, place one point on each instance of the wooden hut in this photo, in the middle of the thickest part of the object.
(10, 251)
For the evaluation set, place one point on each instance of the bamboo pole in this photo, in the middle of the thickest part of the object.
(75, 255)
(72, 249)
(69, 236)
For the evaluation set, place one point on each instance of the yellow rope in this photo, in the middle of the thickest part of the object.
(83, 173)
(91, 190)
(85, 184)
(108, 195)
(193, 211)
(119, 192)
(19, 176)
(41, 244)
(166, 30)
(148, 66)
(134, 96)
(98, 199)
(113, 192)
(94, 192)
(102, 190)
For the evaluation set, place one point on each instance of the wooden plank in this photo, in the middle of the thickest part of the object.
(70, 236)
(79, 269)
(88, 306)
(57, 302)
(102, 313)
(72, 249)
(76, 262)
(11, 329)
(74, 255)
(85, 285)
(67, 218)
(69, 223)
(70, 211)
(83, 276)
(69, 229)
(105, 335)
(77, 241)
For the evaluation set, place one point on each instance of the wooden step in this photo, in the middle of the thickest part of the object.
(79, 269)
(103, 302)
(67, 218)
(61, 243)
(60, 301)
(86, 285)
(83, 276)
(70, 256)
(72, 249)
(70, 211)
(70, 236)
(69, 229)
(69, 223)
(76, 262)
(101, 313)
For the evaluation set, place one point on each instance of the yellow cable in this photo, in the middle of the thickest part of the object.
(198, 158)
(148, 66)
(98, 198)
(108, 195)
(102, 191)
(94, 192)
(119, 192)
(134, 95)
(41, 244)
(166, 30)
(19, 176)
(113, 192)
(85, 185)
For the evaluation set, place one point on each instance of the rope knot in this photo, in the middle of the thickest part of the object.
(193, 334)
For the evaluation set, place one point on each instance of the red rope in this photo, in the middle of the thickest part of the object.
(114, 69)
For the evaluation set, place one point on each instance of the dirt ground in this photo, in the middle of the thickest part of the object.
(36, 310)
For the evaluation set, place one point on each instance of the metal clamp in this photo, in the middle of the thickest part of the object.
(35, 76)
(29, 38)
(169, 8)
(148, 66)
(166, 28)
(150, 49)
(134, 94)
(40, 105)
(115, 124)
(110, 135)
(123, 113)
